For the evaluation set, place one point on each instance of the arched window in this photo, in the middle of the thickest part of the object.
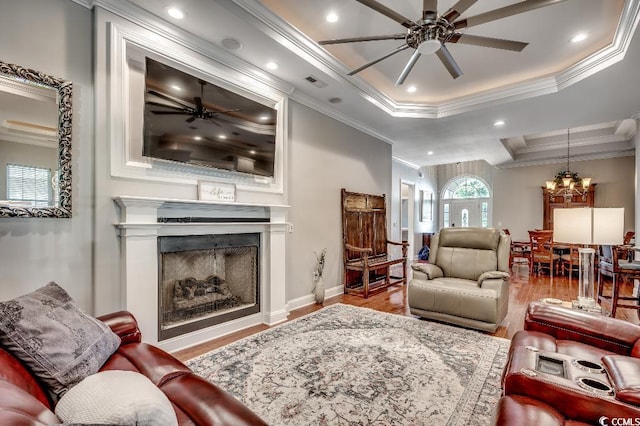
(465, 187)
(465, 202)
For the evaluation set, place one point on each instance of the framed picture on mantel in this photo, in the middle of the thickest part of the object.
(214, 191)
(426, 206)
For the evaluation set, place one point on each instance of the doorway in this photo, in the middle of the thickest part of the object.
(465, 202)
(407, 215)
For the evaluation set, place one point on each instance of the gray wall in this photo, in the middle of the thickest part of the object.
(54, 37)
(325, 156)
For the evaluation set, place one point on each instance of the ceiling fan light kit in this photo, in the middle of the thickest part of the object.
(431, 32)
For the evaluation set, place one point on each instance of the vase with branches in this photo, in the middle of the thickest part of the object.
(318, 288)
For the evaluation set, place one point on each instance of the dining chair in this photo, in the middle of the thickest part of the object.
(617, 263)
(628, 237)
(542, 253)
(519, 251)
(570, 260)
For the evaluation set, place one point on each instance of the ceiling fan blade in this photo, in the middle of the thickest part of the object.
(496, 43)
(368, 38)
(169, 98)
(227, 111)
(159, 104)
(407, 68)
(171, 112)
(503, 12)
(458, 9)
(375, 61)
(429, 9)
(449, 63)
(390, 13)
(191, 119)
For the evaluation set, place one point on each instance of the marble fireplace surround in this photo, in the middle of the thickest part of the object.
(139, 230)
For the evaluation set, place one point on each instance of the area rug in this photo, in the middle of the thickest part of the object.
(345, 365)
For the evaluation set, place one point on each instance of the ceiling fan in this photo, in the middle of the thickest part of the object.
(199, 111)
(431, 32)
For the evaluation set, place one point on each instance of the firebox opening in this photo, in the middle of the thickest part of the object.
(206, 280)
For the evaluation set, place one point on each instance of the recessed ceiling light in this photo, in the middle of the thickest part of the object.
(264, 117)
(412, 89)
(578, 38)
(498, 123)
(176, 87)
(271, 65)
(332, 17)
(430, 153)
(252, 152)
(231, 43)
(176, 13)
(198, 138)
(221, 136)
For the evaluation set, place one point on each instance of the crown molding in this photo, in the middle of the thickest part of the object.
(291, 38)
(330, 112)
(86, 3)
(597, 156)
(405, 162)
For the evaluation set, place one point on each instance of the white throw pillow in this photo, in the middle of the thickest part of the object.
(118, 398)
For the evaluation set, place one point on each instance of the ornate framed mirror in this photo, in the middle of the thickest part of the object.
(35, 143)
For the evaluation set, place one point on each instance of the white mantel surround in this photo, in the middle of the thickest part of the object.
(139, 230)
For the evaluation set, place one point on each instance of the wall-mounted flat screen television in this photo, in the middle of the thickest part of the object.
(193, 121)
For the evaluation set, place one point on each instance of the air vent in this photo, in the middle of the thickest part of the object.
(313, 80)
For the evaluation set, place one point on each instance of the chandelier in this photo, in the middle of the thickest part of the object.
(567, 183)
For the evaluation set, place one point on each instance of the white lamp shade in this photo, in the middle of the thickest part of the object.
(608, 226)
(603, 226)
(572, 225)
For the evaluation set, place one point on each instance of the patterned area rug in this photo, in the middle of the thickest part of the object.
(345, 365)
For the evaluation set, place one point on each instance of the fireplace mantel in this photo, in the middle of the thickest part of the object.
(142, 221)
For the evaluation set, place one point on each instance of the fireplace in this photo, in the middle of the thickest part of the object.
(141, 230)
(204, 280)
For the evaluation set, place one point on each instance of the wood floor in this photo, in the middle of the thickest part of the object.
(523, 289)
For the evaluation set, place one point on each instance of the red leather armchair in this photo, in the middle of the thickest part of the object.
(570, 367)
(25, 401)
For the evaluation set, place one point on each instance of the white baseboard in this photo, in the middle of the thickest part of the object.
(310, 299)
(276, 317)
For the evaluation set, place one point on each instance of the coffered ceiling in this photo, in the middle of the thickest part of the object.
(551, 85)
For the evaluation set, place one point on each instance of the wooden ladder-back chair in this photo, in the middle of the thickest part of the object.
(542, 251)
(367, 262)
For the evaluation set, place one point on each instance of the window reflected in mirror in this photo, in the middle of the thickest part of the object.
(35, 144)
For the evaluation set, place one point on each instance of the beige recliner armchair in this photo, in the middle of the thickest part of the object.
(466, 281)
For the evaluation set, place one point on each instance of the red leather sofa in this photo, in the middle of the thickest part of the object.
(571, 367)
(25, 401)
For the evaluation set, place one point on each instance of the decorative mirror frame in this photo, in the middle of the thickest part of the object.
(64, 91)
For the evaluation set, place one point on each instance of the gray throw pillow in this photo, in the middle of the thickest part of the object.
(58, 342)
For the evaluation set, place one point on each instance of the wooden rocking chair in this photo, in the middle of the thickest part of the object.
(367, 263)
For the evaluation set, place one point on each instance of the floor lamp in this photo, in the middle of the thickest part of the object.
(588, 226)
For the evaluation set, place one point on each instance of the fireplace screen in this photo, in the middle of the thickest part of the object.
(206, 280)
